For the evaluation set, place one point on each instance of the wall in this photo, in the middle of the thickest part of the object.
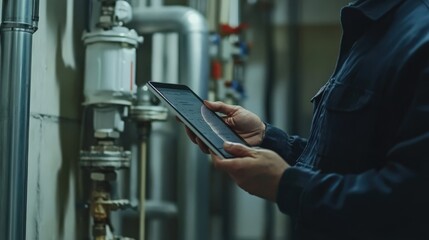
(317, 64)
(57, 71)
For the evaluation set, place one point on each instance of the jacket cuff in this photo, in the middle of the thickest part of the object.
(272, 136)
(291, 189)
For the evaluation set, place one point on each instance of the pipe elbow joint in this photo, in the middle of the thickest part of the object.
(190, 20)
(168, 19)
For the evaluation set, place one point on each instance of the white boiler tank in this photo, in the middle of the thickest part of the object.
(110, 65)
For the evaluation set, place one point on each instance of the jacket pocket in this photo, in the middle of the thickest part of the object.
(344, 98)
(348, 131)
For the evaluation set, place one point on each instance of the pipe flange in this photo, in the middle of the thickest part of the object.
(120, 35)
(105, 157)
(149, 113)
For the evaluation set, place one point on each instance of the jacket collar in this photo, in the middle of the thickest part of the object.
(374, 9)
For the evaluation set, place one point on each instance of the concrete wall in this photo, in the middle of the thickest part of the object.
(57, 71)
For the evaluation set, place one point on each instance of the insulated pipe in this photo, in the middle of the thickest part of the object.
(19, 22)
(193, 67)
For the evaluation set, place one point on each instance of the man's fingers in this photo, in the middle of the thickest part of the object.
(191, 135)
(239, 150)
(202, 146)
(220, 107)
(221, 163)
(197, 141)
(215, 157)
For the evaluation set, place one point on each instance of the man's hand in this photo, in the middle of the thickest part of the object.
(257, 171)
(245, 123)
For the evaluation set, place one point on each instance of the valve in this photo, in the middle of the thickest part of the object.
(114, 13)
(226, 30)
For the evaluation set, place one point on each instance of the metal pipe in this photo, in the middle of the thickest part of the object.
(193, 67)
(145, 129)
(143, 155)
(168, 19)
(19, 22)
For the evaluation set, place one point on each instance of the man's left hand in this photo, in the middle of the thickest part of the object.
(255, 170)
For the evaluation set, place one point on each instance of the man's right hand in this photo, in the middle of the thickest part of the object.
(245, 123)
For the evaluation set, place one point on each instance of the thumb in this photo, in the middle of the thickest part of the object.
(238, 150)
(220, 107)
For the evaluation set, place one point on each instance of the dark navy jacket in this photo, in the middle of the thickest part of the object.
(363, 173)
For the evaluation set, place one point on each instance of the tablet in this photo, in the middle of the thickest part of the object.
(202, 121)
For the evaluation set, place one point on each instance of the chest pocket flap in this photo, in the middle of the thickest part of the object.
(346, 98)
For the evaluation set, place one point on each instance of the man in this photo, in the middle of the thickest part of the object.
(363, 173)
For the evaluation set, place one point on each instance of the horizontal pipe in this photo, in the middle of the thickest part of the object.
(156, 210)
(168, 19)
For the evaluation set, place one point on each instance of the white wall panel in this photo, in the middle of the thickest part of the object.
(52, 179)
(57, 70)
(57, 66)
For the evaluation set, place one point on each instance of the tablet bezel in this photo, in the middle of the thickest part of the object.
(153, 87)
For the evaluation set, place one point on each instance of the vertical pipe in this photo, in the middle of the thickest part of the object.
(194, 166)
(143, 156)
(145, 129)
(193, 70)
(19, 21)
(14, 115)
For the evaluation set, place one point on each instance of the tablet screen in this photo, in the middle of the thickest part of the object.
(207, 123)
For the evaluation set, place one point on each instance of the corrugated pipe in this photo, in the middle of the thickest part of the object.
(19, 22)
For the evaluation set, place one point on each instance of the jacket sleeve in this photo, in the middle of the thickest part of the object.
(288, 147)
(394, 195)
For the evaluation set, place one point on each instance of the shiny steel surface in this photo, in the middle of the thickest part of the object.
(193, 166)
(15, 70)
(19, 21)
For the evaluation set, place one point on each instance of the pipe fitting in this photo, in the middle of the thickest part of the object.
(168, 19)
